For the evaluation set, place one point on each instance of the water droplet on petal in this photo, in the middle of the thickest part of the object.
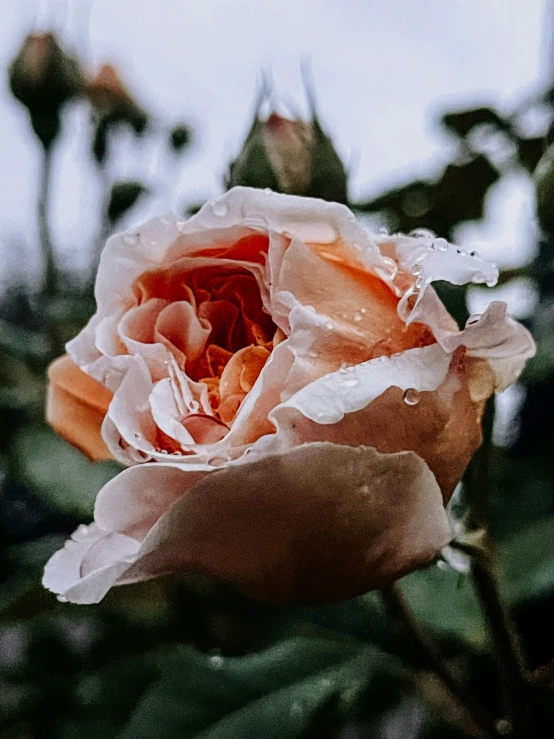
(164, 451)
(441, 244)
(62, 598)
(421, 233)
(137, 436)
(216, 661)
(268, 189)
(472, 320)
(130, 239)
(474, 254)
(384, 231)
(329, 325)
(388, 269)
(363, 310)
(418, 284)
(411, 396)
(220, 208)
(416, 269)
(357, 317)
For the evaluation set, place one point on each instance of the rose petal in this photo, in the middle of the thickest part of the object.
(75, 407)
(324, 521)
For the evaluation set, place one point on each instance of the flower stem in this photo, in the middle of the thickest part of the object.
(512, 669)
(479, 723)
(50, 275)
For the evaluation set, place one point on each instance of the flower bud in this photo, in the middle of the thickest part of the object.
(111, 100)
(43, 77)
(290, 156)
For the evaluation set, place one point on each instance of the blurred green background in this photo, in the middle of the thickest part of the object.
(186, 657)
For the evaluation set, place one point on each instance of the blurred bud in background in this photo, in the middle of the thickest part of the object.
(290, 156)
(112, 105)
(43, 77)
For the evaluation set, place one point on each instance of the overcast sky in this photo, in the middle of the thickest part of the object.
(383, 69)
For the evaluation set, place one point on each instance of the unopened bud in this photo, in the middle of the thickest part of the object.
(111, 100)
(290, 156)
(43, 77)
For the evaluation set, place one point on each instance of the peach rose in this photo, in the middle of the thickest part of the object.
(294, 401)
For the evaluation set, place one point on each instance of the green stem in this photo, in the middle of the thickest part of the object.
(478, 722)
(512, 669)
(50, 275)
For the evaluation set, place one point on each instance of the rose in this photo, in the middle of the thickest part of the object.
(294, 400)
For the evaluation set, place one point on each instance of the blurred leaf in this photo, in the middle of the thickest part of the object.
(274, 693)
(530, 151)
(527, 562)
(107, 697)
(180, 138)
(24, 563)
(463, 121)
(22, 342)
(544, 184)
(122, 198)
(66, 478)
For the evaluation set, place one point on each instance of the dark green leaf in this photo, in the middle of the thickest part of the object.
(275, 693)
(123, 196)
(67, 479)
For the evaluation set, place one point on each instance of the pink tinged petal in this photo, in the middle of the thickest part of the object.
(182, 331)
(137, 332)
(427, 260)
(205, 430)
(129, 418)
(316, 524)
(89, 564)
(328, 399)
(98, 556)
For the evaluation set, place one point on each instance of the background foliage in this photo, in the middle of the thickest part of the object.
(187, 657)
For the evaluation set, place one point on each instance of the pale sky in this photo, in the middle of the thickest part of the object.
(382, 68)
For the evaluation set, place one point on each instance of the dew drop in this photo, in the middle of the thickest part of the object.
(130, 240)
(441, 244)
(164, 451)
(418, 284)
(216, 661)
(62, 598)
(358, 317)
(81, 530)
(416, 269)
(363, 310)
(388, 269)
(329, 325)
(384, 231)
(421, 233)
(220, 208)
(137, 436)
(474, 254)
(411, 396)
(268, 190)
(472, 320)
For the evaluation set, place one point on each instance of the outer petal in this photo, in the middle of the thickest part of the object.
(316, 524)
(75, 407)
(365, 405)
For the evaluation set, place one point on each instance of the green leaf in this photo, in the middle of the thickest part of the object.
(275, 693)
(527, 562)
(66, 478)
(444, 600)
(122, 198)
